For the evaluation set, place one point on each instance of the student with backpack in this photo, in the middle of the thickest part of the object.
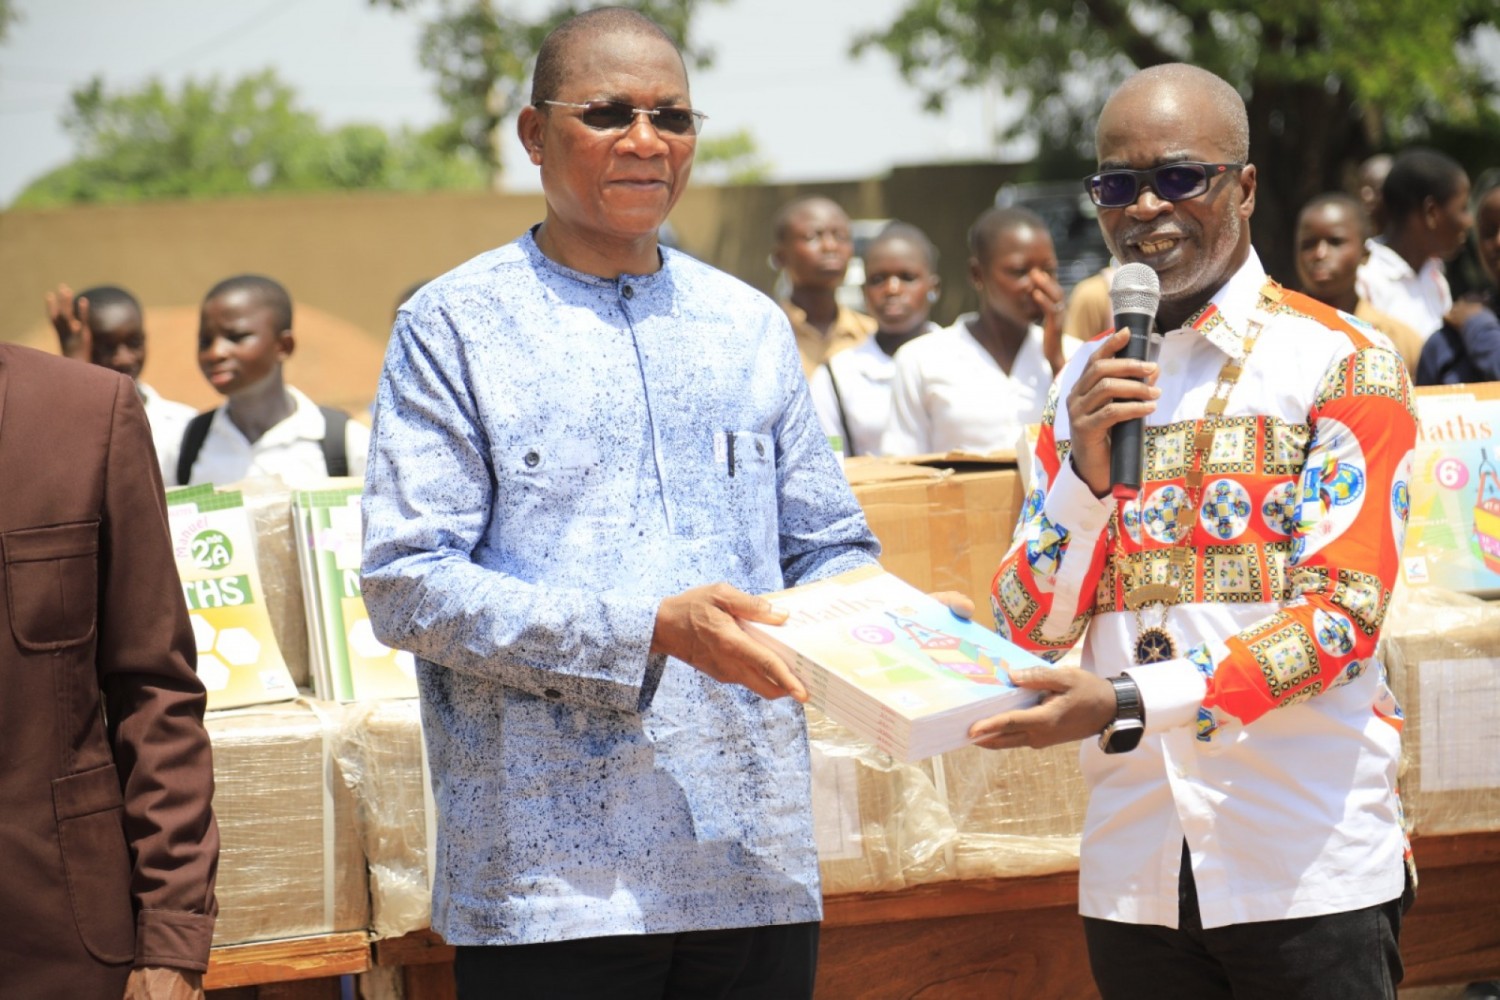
(265, 427)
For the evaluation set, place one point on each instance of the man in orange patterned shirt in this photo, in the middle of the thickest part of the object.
(1243, 836)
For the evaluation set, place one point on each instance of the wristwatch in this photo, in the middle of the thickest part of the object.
(1124, 733)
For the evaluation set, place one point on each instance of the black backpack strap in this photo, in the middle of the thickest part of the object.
(193, 436)
(838, 401)
(335, 450)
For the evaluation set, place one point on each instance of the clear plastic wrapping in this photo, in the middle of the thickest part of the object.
(290, 862)
(971, 813)
(380, 753)
(1017, 812)
(1442, 654)
(881, 824)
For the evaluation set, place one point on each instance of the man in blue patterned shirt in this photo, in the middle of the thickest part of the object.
(589, 452)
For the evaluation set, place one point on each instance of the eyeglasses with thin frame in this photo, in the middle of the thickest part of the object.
(618, 116)
(1171, 182)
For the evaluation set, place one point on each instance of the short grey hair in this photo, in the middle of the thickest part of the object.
(1227, 102)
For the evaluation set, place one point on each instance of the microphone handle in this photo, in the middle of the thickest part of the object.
(1125, 439)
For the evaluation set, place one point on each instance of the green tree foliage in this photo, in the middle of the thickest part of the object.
(213, 139)
(1327, 83)
(482, 56)
(731, 159)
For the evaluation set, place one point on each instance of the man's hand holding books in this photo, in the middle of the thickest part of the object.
(700, 627)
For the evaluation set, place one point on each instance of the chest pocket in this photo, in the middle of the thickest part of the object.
(744, 504)
(52, 584)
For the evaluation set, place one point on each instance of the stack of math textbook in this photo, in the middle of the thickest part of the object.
(348, 663)
(893, 664)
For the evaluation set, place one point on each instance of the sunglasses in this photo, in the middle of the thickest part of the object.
(618, 116)
(1170, 181)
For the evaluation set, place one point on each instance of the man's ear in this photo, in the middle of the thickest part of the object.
(529, 127)
(1432, 211)
(1247, 190)
(976, 273)
(285, 344)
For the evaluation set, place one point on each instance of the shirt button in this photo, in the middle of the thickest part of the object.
(760, 448)
(628, 292)
(531, 459)
(552, 693)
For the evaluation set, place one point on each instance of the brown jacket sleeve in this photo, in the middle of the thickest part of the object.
(154, 705)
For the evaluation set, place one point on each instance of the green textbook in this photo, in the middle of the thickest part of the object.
(348, 662)
(214, 544)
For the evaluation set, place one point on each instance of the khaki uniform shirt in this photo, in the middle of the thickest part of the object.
(849, 328)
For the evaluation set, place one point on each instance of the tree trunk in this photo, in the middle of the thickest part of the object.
(1304, 141)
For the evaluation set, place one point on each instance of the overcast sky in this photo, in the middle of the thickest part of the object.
(782, 71)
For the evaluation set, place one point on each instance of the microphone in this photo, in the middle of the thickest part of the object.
(1134, 296)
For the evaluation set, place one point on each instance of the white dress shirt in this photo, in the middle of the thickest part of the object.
(291, 450)
(1272, 739)
(1420, 299)
(852, 393)
(168, 420)
(950, 395)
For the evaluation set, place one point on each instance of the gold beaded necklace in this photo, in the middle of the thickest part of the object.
(1154, 643)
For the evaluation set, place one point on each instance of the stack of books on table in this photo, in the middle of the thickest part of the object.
(347, 662)
(893, 664)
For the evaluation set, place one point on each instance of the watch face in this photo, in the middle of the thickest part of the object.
(1122, 736)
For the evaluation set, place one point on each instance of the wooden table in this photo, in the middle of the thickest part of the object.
(1012, 937)
(1021, 937)
(292, 969)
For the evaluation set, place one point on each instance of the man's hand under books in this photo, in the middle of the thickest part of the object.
(1076, 705)
(699, 627)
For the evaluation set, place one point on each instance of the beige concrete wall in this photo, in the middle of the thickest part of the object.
(350, 256)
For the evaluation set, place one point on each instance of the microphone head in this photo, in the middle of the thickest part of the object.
(1136, 289)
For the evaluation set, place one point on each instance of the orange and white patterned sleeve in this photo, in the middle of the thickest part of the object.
(1043, 594)
(1352, 505)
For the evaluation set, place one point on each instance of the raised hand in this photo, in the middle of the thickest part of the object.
(1110, 390)
(1049, 298)
(74, 336)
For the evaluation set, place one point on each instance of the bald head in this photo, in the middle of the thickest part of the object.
(1176, 84)
(553, 58)
(805, 207)
(1161, 117)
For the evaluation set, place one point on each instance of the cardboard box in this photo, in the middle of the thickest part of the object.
(290, 862)
(1453, 535)
(943, 521)
(1442, 655)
